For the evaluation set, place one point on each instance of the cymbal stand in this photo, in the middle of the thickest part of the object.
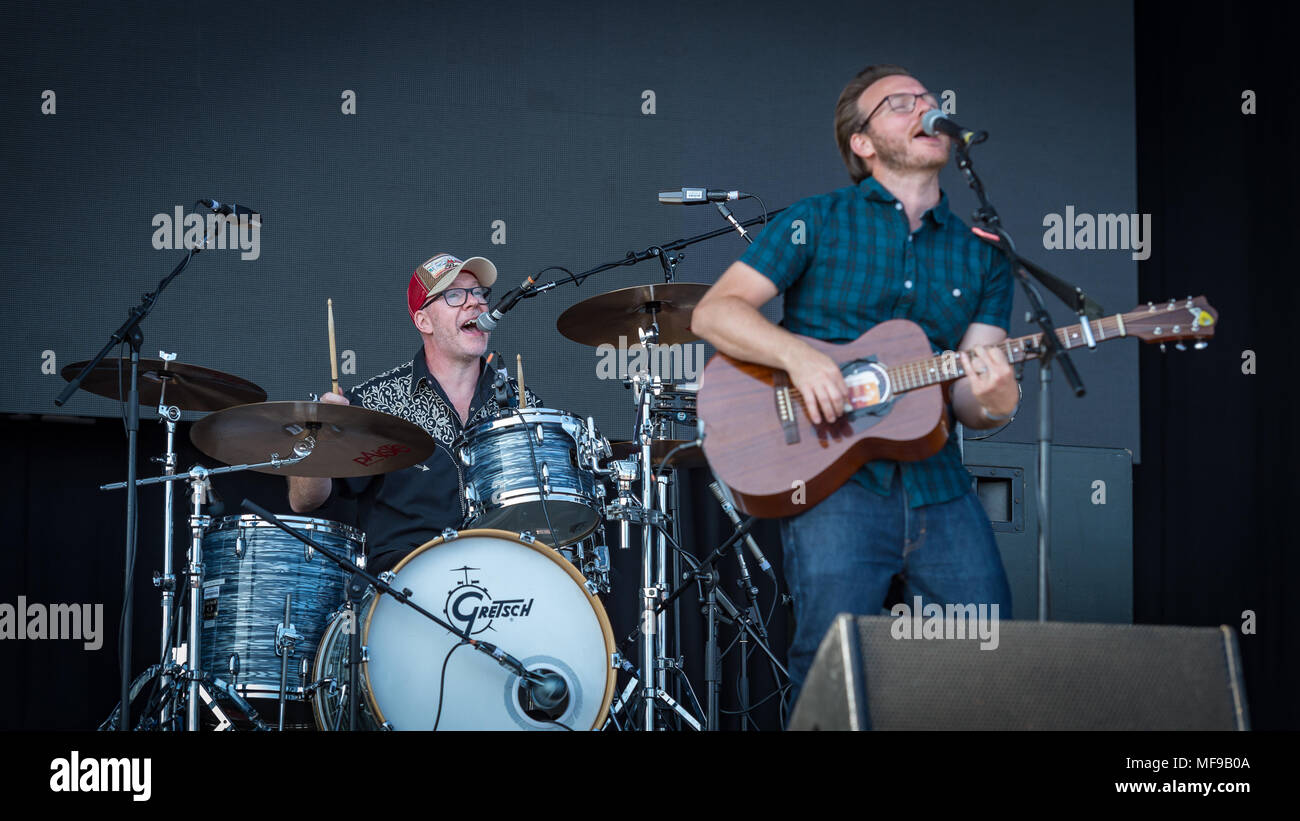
(166, 581)
(188, 660)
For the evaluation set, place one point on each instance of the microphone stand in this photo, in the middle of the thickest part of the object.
(661, 251)
(717, 599)
(1050, 348)
(130, 333)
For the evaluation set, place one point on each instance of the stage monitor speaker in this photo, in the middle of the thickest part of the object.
(1032, 676)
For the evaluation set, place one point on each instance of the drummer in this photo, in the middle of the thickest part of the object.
(445, 388)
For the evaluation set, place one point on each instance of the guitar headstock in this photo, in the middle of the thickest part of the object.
(1173, 321)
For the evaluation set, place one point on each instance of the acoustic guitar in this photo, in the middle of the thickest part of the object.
(760, 442)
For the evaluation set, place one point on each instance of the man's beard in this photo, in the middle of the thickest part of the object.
(894, 155)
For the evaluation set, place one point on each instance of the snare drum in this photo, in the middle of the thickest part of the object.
(518, 594)
(504, 488)
(249, 567)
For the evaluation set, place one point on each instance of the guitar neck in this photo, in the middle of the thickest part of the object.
(947, 366)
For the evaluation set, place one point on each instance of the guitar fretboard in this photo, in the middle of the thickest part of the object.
(947, 366)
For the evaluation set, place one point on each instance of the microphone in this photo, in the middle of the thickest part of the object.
(487, 321)
(727, 507)
(693, 196)
(231, 209)
(935, 122)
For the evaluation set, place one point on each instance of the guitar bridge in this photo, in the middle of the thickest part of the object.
(785, 407)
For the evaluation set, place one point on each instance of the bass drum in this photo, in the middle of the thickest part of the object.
(329, 696)
(519, 595)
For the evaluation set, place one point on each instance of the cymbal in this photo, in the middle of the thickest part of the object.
(690, 457)
(189, 387)
(350, 440)
(602, 319)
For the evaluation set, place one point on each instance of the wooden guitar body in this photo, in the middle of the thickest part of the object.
(772, 473)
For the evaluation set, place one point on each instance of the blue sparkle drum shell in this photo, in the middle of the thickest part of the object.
(505, 490)
(249, 568)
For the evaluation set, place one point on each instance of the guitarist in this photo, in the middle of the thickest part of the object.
(886, 247)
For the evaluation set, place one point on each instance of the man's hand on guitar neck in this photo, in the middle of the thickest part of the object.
(987, 395)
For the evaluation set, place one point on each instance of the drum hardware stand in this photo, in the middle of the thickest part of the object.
(530, 678)
(199, 478)
(286, 639)
(706, 572)
(166, 581)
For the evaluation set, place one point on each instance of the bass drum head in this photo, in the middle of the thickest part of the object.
(525, 599)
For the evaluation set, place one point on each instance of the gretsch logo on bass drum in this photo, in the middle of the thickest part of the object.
(471, 608)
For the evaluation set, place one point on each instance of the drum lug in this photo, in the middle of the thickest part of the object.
(546, 480)
(365, 654)
(239, 544)
(450, 534)
(308, 552)
(540, 435)
(232, 667)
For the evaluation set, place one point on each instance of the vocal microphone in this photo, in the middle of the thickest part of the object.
(727, 507)
(694, 196)
(488, 320)
(231, 209)
(935, 122)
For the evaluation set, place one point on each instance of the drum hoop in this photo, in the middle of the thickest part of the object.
(530, 416)
(538, 546)
(253, 520)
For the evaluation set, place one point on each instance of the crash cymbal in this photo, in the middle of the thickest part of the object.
(189, 387)
(603, 318)
(350, 441)
(690, 457)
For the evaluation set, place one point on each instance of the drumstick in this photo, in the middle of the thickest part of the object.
(334, 357)
(519, 368)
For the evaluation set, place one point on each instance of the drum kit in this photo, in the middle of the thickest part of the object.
(268, 611)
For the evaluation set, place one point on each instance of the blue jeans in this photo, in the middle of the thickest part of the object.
(841, 555)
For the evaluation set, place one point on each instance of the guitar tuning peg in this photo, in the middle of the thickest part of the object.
(1162, 347)
(1180, 346)
(1201, 345)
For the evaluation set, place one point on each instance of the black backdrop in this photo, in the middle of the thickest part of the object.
(1212, 493)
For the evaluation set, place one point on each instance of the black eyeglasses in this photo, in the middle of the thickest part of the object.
(904, 103)
(455, 297)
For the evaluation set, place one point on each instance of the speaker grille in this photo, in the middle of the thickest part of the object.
(1054, 676)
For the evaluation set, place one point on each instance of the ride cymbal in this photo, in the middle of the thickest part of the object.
(602, 319)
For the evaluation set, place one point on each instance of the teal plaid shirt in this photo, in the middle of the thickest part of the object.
(847, 260)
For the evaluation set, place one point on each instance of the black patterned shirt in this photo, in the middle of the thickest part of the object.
(403, 509)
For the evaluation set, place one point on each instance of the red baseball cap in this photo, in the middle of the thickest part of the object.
(438, 272)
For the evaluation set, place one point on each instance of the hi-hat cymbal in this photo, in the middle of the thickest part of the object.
(602, 319)
(189, 387)
(350, 441)
(689, 457)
